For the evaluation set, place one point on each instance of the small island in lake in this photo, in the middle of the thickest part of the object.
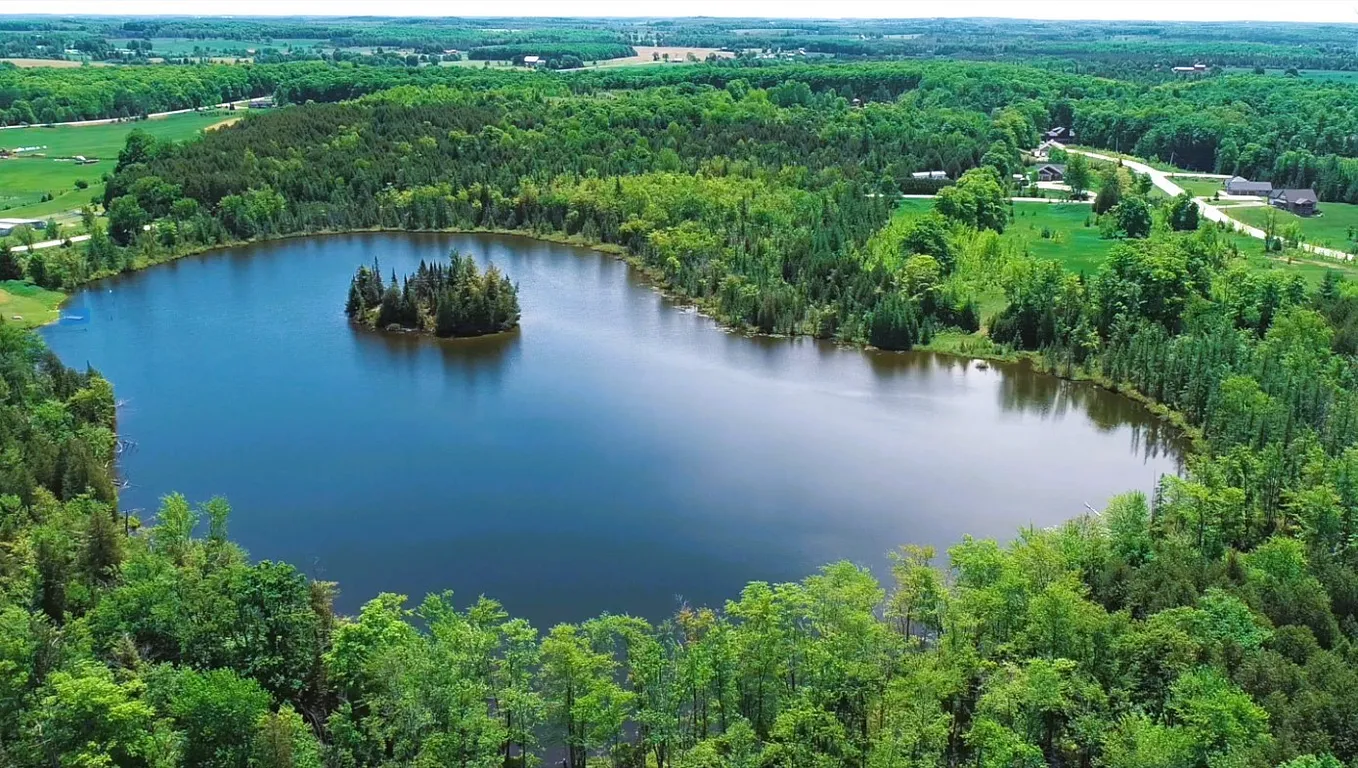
(455, 299)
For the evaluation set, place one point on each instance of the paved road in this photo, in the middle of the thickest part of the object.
(51, 243)
(1161, 180)
(110, 120)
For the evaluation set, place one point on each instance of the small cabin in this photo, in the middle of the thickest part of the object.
(1060, 133)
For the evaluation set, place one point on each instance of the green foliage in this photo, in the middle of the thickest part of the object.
(456, 300)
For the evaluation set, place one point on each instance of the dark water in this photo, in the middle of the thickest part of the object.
(619, 453)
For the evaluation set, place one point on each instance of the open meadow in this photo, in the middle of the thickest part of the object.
(28, 177)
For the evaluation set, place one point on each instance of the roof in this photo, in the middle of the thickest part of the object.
(1295, 195)
(531, 59)
(1061, 169)
(1239, 184)
(929, 175)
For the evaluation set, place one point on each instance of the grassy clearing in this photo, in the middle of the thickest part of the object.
(647, 54)
(25, 179)
(1199, 187)
(1330, 227)
(28, 304)
(1057, 232)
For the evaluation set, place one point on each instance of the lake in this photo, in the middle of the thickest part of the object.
(616, 453)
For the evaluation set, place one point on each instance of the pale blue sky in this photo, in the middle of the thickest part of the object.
(1189, 10)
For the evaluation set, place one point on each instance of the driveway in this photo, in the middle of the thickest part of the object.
(1163, 182)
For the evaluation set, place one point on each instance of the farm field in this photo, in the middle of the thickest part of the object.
(646, 55)
(1330, 227)
(25, 179)
(30, 63)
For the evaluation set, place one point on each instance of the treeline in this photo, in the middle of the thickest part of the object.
(549, 52)
(452, 300)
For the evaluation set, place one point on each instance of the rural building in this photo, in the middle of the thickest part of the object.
(1044, 149)
(7, 226)
(261, 103)
(1051, 173)
(1061, 133)
(929, 175)
(1240, 185)
(1196, 69)
(533, 61)
(1299, 201)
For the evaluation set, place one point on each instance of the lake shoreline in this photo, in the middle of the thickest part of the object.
(953, 344)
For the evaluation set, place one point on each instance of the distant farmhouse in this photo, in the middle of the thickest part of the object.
(533, 61)
(1060, 133)
(7, 226)
(1044, 149)
(929, 175)
(1051, 173)
(1196, 69)
(1239, 185)
(1299, 201)
(264, 102)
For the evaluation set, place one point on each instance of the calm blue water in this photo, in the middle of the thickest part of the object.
(618, 453)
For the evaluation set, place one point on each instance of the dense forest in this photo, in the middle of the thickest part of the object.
(452, 300)
(1214, 623)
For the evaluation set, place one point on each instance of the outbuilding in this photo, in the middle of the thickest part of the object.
(1240, 185)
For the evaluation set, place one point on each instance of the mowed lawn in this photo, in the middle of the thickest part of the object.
(1057, 232)
(1054, 231)
(1329, 227)
(27, 304)
(1199, 187)
(25, 179)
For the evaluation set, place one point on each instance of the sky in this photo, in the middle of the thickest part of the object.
(1178, 10)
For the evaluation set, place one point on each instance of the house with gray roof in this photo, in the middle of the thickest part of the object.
(1240, 185)
(1299, 201)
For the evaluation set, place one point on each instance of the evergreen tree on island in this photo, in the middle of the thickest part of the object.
(455, 299)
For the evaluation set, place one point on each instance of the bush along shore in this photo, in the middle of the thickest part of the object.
(456, 299)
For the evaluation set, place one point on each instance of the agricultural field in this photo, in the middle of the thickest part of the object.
(1334, 225)
(646, 54)
(26, 179)
(30, 63)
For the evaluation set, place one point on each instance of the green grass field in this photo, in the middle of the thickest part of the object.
(1198, 187)
(1080, 249)
(1329, 227)
(27, 304)
(26, 178)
